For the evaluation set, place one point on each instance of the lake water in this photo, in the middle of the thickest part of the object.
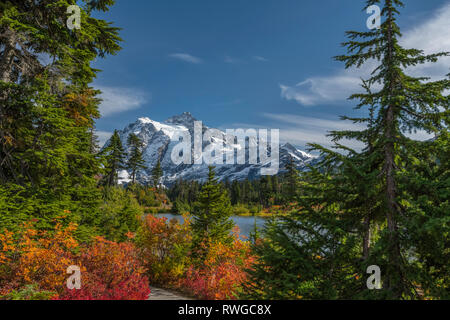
(245, 224)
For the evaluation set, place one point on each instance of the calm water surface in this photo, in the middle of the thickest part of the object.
(245, 224)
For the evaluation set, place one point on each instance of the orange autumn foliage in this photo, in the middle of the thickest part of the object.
(6, 245)
(222, 273)
(109, 270)
(164, 248)
(82, 106)
(40, 256)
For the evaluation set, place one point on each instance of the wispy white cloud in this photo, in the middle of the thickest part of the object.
(317, 90)
(231, 60)
(186, 58)
(116, 99)
(431, 36)
(302, 130)
(313, 122)
(234, 60)
(261, 59)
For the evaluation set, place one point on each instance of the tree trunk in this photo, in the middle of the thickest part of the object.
(6, 63)
(394, 275)
(6, 66)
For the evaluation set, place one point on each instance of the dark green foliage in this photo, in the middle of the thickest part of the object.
(48, 163)
(386, 205)
(114, 157)
(157, 173)
(212, 214)
(263, 192)
(235, 193)
(181, 207)
(135, 161)
(266, 195)
(292, 179)
(144, 195)
(29, 292)
(120, 214)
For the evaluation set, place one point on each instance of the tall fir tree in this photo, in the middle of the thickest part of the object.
(47, 110)
(266, 191)
(135, 161)
(114, 156)
(212, 215)
(292, 179)
(402, 105)
(384, 205)
(235, 193)
(157, 174)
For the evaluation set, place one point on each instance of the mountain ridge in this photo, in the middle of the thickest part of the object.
(158, 143)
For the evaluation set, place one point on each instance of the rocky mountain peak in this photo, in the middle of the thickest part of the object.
(184, 119)
(159, 143)
(289, 147)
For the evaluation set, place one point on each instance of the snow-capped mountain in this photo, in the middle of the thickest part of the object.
(159, 140)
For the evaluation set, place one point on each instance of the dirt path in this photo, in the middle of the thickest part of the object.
(161, 294)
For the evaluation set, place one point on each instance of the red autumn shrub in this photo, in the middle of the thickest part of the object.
(109, 270)
(112, 272)
(222, 273)
(134, 288)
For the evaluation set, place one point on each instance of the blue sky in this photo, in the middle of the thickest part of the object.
(236, 63)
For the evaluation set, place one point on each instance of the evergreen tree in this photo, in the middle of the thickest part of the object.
(135, 161)
(94, 147)
(265, 191)
(382, 206)
(291, 181)
(248, 191)
(235, 193)
(212, 213)
(276, 189)
(403, 104)
(114, 155)
(47, 111)
(157, 174)
(120, 213)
